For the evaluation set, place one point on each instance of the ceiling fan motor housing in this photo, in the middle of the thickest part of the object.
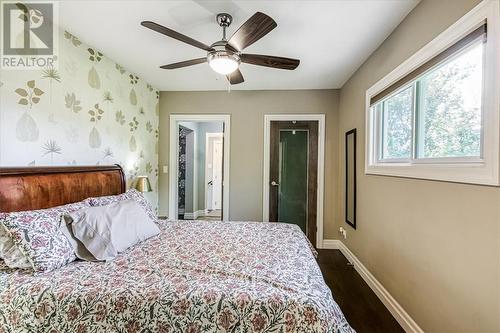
(220, 49)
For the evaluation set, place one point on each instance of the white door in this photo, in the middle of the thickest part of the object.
(217, 174)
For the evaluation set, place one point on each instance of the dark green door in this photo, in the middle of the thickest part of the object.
(292, 179)
(293, 174)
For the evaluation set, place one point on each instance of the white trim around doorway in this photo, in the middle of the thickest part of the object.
(320, 118)
(174, 153)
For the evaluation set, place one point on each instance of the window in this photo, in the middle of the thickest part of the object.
(396, 125)
(437, 115)
(439, 112)
(449, 107)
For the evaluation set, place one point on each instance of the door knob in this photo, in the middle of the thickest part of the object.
(273, 183)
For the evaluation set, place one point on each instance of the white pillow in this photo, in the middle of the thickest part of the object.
(81, 251)
(10, 253)
(109, 230)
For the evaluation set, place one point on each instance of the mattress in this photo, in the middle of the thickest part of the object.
(193, 277)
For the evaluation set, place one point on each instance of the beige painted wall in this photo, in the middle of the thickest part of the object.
(247, 109)
(433, 245)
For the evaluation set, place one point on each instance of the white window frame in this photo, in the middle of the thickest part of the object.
(474, 170)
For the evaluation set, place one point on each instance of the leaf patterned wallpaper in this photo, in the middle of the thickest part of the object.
(88, 111)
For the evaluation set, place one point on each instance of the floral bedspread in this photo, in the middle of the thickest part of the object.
(193, 277)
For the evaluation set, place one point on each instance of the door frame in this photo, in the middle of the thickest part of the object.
(174, 153)
(320, 118)
(208, 136)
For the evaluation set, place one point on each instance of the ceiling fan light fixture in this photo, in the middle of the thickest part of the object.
(223, 62)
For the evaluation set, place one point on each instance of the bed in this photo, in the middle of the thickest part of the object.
(193, 277)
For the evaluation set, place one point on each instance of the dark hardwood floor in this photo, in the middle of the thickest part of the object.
(362, 308)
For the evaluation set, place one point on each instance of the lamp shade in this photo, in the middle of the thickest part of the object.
(223, 61)
(143, 184)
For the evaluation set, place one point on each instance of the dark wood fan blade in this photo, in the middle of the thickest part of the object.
(270, 61)
(251, 31)
(175, 35)
(185, 63)
(235, 77)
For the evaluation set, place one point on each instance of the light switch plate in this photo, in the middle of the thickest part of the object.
(165, 169)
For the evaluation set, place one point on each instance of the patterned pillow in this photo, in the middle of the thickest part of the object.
(10, 253)
(37, 234)
(131, 194)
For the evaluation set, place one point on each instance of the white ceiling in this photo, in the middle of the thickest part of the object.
(331, 38)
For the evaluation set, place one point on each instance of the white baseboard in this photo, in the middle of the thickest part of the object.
(332, 244)
(403, 318)
(194, 215)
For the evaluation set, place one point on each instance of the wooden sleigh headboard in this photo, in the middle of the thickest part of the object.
(30, 188)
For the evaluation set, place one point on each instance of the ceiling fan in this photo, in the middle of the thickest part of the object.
(225, 55)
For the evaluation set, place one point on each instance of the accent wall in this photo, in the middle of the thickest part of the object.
(87, 111)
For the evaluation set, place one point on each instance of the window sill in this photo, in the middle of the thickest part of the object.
(431, 161)
(469, 173)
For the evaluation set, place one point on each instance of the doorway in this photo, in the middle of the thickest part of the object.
(199, 167)
(294, 172)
